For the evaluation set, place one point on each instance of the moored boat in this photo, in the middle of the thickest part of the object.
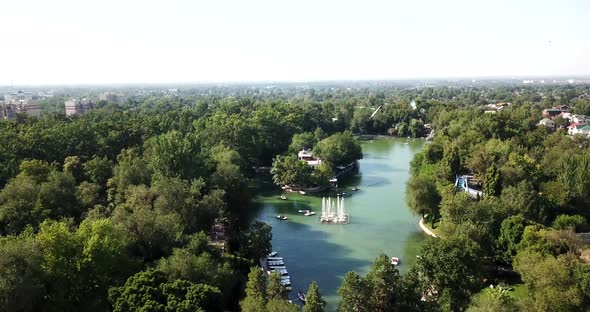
(355, 188)
(283, 197)
(394, 260)
(301, 296)
(273, 254)
(309, 213)
(282, 217)
(302, 192)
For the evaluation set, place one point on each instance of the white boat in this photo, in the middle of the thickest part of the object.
(302, 192)
(394, 260)
(273, 254)
(283, 197)
(309, 213)
(276, 263)
(282, 217)
(301, 296)
(355, 189)
(302, 211)
(274, 258)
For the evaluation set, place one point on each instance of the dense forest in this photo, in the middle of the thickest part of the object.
(114, 209)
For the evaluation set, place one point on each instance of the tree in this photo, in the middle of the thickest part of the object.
(354, 294)
(255, 243)
(156, 232)
(566, 222)
(150, 291)
(58, 195)
(511, 232)
(551, 279)
(21, 275)
(339, 149)
(38, 170)
(492, 300)
(383, 282)
(313, 299)
(73, 166)
(275, 289)
(256, 299)
(305, 140)
(98, 170)
(288, 170)
(18, 205)
(130, 170)
(491, 183)
(172, 154)
(422, 196)
(454, 268)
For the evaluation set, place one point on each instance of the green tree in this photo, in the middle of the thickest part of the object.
(18, 206)
(130, 170)
(511, 232)
(172, 154)
(491, 183)
(454, 267)
(566, 222)
(313, 299)
(255, 243)
(280, 305)
(98, 170)
(150, 291)
(492, 300)
(339, 149)
(275, 289)
(38, 170)
(383, 282)
(423, 197)
(256, 299)
(288, 170)
(354, 294)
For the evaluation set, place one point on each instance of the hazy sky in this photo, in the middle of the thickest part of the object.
(118, 41)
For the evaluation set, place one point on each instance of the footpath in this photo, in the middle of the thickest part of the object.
(425, 229)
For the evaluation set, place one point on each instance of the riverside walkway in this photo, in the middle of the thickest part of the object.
(425, 229)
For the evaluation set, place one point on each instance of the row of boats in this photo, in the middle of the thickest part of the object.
(276, 264)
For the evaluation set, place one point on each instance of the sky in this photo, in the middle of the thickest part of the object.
(193, 41)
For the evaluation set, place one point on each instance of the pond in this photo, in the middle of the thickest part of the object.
(380, 221)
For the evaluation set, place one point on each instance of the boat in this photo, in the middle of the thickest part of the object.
(301, 296)
(394, 260)
(302, 210)
(274, 258)
(273, 254)
(309, 213)
(283, 197)
(276, 263)
(302, 192)
(355, 189)
(282, 217)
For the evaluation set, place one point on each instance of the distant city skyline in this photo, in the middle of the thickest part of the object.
(201, 41)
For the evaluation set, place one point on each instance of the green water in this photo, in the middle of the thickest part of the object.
(380, 221)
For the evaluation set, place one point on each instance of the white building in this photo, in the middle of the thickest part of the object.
(308, 157)
(577, 129)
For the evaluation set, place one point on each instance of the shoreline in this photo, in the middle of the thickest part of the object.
(424, 228)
